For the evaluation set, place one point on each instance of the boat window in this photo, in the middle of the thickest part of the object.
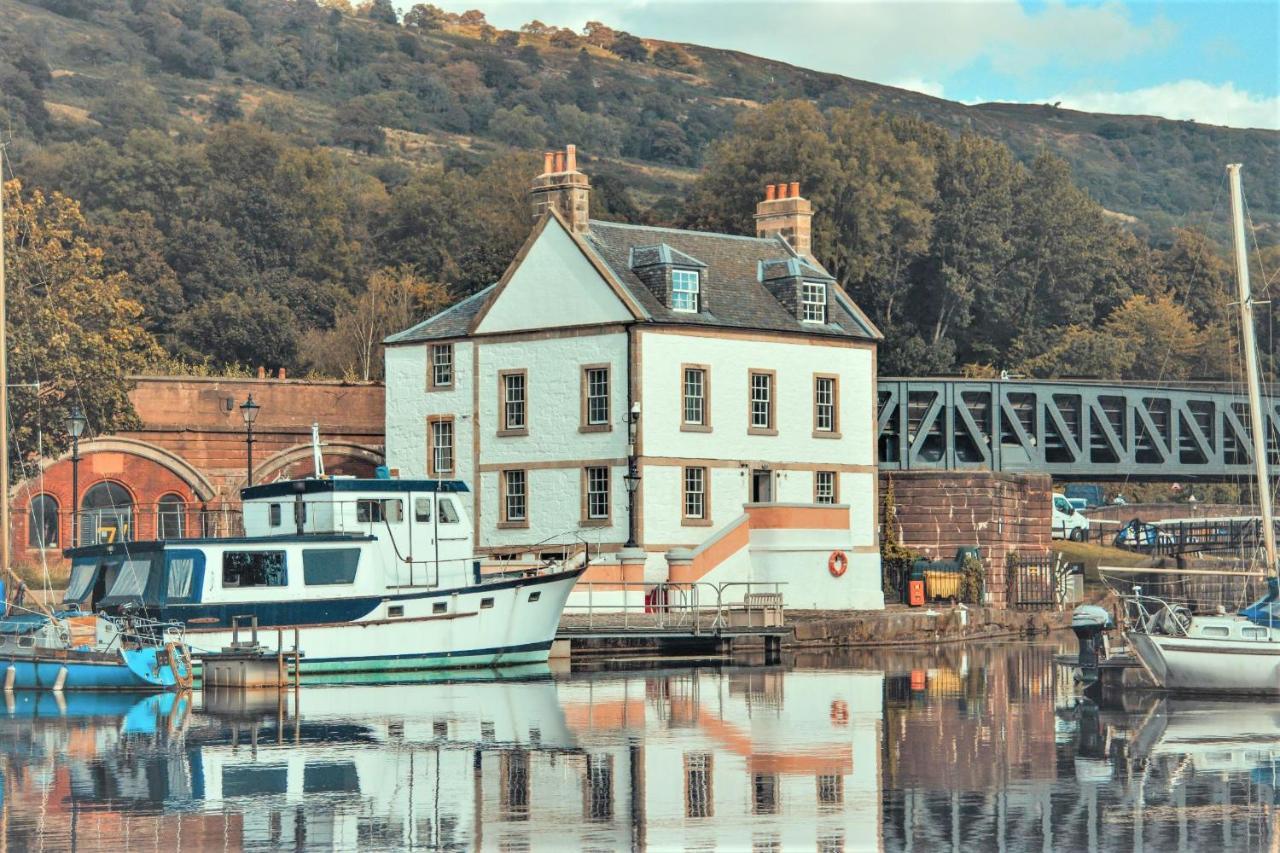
(323, 566)
(1214, 631)
(486, 603)
(131, 580)
(254, 568)
(384, 509)
(1254, 633)
(440, 607)
(273, 513)
(448, 514)
(180, 571)
(394, 611)
(422, 509)
(534, 596)
(81, 580)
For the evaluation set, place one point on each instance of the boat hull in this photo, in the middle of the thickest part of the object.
(137, 670)
(491, 625)
(1193, 665)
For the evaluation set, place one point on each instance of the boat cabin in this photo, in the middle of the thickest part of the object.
(334, 542)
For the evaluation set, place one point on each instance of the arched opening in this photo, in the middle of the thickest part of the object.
(42, 522)
(106, 514)
(171, 517)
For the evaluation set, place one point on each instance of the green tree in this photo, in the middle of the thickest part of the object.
(71, 327)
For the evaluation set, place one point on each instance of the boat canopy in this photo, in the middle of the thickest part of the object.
(149, 578)
(21, 624)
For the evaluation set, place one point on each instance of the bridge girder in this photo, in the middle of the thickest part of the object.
(1073, 431)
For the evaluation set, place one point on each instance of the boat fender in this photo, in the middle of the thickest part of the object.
(837, 563)
(61, 680)
(10, 676)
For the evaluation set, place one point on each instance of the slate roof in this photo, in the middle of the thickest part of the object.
(735, 295)
(733, 267)
(452, 322)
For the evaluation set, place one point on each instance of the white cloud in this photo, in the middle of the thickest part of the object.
(1184, 99)
(924, 87)
(870, 39)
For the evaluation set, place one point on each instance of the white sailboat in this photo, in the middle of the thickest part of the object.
(1228, 653)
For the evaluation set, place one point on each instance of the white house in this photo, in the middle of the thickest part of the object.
(732, 374)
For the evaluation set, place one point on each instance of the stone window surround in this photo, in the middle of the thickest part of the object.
(503, 429)
(703, 520)
(772, 429)
(834, 432)
(584, 424)
(432, 420)
(705, 426)
(835, 486)
(432, 385)
(505, 522)
(606, 520)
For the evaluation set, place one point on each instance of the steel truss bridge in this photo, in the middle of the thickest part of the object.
(1071, 430)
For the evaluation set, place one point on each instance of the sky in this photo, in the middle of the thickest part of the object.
(1217, 63)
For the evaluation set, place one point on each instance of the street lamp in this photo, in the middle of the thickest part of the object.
(249, 411)
(76, 422)
(632, 478)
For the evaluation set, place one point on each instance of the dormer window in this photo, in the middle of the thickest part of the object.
(813, 302)
(685, 288)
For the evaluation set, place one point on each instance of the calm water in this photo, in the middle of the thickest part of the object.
(980, 748)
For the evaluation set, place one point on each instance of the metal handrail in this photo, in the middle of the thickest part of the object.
(687, 610)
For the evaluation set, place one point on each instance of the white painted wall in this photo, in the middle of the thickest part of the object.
(409, 404)
(554, 388)
(554, 286)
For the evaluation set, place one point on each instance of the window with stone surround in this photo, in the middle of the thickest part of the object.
(813, 302)
(42, 522)
(515, 496)
(440, 372)
(826, 405)
(440, 458)
(513, 385)
(694, 497)
(685, 291)
(695, 395)
(763, 403)
(596, 482)
(595, 398)
(825, 487)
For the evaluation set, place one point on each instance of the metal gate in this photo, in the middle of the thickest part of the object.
(1033, 581)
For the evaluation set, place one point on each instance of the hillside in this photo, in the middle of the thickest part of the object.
(280, 182)
(446, 88)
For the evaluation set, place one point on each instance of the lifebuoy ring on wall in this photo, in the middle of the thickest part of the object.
(837, 563)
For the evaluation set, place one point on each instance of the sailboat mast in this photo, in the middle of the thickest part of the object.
(1250, 352)
(4, 398)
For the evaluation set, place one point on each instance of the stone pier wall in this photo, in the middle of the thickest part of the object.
(940, 511)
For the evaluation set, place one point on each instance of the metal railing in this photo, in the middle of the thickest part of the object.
(695, 606)
(143, 523)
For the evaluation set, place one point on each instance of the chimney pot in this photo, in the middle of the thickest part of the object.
(571, 157)
(795, 189)
(769, 192)
(782, 190)
(548, 162)
(559, 161)
(281, 375)
(262, 373)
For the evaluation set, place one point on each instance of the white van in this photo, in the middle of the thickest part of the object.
(1068, 522)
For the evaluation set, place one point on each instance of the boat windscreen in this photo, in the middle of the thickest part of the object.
(131, 581)
(80, 583)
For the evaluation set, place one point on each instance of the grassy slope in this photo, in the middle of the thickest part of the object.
(1161, 172)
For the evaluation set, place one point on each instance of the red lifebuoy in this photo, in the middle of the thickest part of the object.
(837, 563)
(840, 712)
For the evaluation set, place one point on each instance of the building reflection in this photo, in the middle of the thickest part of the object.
(967, 748)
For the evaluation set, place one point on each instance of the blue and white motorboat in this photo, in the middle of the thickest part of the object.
(373, 575)
(70, 650)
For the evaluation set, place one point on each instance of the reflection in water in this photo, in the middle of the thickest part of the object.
(983, 747)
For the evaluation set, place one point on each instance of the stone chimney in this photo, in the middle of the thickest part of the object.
(784, 212)
(563, 187)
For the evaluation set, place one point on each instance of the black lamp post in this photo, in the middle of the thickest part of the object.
(76, 423)
(249, 411)
(632, 478)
